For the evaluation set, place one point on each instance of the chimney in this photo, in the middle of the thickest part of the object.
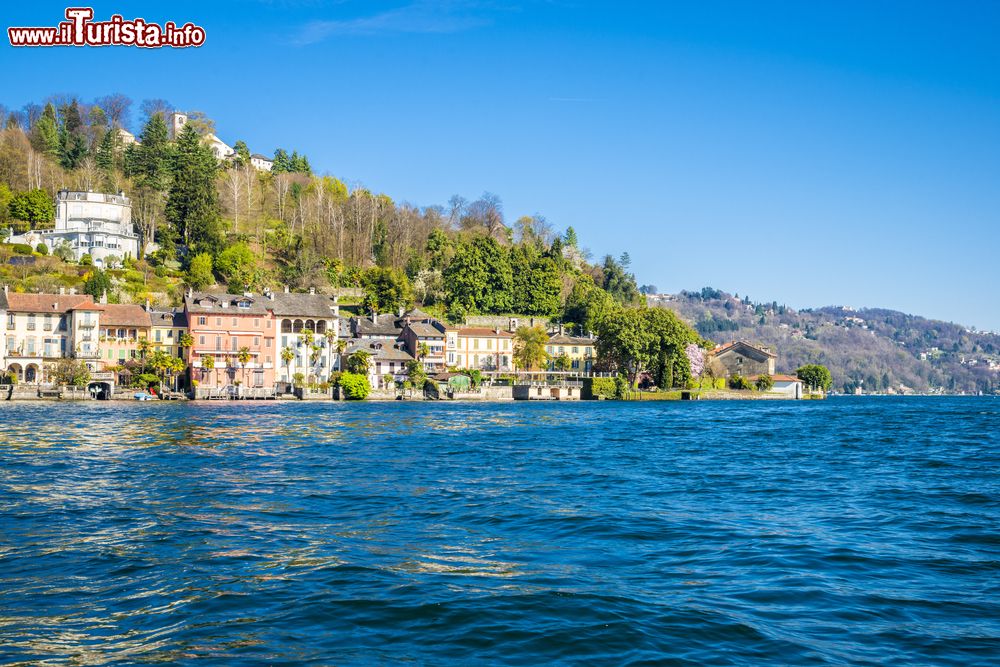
(62, 290)
(72, 290)
(401, 311)
(496, 330)
(190, 293)
(104, 298)
(149, 305)
(312, 290)
(562, 330)
(286, 289)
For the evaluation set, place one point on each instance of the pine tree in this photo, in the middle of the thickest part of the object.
(72, 140)
(193, 203)
(45, 133)
(571, 239)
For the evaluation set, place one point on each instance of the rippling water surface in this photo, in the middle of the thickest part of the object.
(862, 531)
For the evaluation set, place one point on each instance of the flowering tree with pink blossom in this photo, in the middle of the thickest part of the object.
(696, 359)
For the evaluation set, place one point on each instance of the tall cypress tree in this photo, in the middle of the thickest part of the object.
(193, 203)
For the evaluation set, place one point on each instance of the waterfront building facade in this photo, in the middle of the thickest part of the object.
(222, 327)
(168, 329)
(309, 328)
(122, 326)
(40, 329)
(480, 348)
(579, 350)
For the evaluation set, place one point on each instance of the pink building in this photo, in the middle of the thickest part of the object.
(222, 325)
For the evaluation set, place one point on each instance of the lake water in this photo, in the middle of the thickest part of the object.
(850, 531)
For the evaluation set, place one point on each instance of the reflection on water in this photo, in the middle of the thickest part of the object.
(843, 531)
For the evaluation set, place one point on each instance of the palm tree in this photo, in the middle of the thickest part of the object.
(286, 356)
(341, 347)
(243, 356)
(208, 363)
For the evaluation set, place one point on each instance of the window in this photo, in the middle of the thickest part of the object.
(203, 321)
(236, 344)
(489, 344)
(10, 320)
(218, 321)
(256, 341)
(31, 321)
(267, 342)
(576, 350)
(201, 340)
(256, 323)
(156, 335)
(48, 322)
(236, 322)
(218, 342)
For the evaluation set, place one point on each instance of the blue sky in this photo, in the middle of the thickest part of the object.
(810, 153)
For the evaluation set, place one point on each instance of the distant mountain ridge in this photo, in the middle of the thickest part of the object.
(874, 349)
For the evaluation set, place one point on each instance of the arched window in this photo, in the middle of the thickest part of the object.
(297, 326)
(311, 326)
(320, 326)
(286, 326)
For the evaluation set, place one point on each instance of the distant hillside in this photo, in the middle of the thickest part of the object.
(876, 349)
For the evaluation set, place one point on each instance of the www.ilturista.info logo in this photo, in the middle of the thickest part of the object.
(79, 29)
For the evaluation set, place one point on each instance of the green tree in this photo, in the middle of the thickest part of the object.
(287, 355)
(72, 137)
(237, 264)
(97, 284)
(45, 133)
(193, 203)
(386, 290)
(70, 372)
(764, 383)
(669, 337)
(529, 347)
(242, 153)
(358, 363)
(200, 274)
(34, 207)
(815, 376)
(415, 372)
(536, 282)
(479, 278)
(624, 343)
(618, 282)
(587, 304)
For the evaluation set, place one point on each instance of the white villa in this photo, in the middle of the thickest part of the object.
(261, 162)
(91, 223)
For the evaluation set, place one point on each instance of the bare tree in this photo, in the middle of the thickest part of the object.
(116, 106)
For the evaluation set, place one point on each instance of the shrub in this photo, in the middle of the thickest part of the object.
(356, 387)
(87, 260)
(739, 382)
(298, 379)
(764, 383)
(22, 249)
(42, 249)
(720, 383)
(599, 387)
(335, 378)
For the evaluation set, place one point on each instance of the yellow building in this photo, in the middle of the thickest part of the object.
(168, 327)
(480, 347)
(580, 351)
